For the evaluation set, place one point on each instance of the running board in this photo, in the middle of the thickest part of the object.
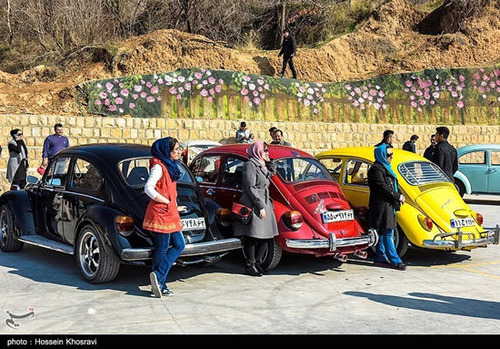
(44, 242)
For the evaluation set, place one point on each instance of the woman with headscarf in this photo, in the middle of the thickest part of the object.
(257, 175)
(17, 167)
(162, 214)
(385, 200)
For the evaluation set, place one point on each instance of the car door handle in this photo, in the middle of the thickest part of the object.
(210, 191)
(59, 196)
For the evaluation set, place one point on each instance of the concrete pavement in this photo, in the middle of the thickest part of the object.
(440, 293)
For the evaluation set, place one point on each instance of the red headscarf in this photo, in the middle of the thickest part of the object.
(256, 151)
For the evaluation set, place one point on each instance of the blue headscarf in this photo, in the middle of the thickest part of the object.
(381, 157)
(161, 150)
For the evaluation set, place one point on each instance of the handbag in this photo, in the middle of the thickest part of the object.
(241, 213)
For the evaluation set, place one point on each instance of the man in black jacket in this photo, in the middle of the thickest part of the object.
(445, 155)
(288, 50)
(429, 151)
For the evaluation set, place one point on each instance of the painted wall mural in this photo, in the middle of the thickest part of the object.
(437, 96)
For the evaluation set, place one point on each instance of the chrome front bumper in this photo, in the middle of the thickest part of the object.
(332, 243)
(491, 237)
(191, 250)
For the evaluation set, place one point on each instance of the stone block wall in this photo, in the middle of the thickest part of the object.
(312, 137)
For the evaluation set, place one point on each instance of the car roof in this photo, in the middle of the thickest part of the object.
(111, 152)
(275, 151)
(477, 147)
(400, 155)
(198, 142)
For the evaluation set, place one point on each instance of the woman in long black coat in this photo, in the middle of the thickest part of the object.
(262, 227)
(385, 199)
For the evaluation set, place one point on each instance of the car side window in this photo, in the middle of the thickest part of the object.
(57, 171)
(205, 169)
(85, 177)
(333, 165)
(357, 172)
(473, 158)
(233, 172)
(495, 158)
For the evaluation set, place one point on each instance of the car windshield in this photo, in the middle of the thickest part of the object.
(135, 171)
(301, 170)
(419, 173)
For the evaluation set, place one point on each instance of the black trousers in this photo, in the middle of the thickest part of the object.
(254, 249)
(289, 61)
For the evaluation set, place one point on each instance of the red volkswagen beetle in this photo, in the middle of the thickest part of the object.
(312, 212)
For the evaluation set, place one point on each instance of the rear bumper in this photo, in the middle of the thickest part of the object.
(191, 250)
(332, 243)
(458, 242)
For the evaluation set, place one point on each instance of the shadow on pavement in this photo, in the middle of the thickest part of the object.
(436, 303)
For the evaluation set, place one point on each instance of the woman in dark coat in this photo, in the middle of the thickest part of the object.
(262, 227)
(17, 167)
(385, 199)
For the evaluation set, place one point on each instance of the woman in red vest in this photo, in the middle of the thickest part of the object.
(162, 214)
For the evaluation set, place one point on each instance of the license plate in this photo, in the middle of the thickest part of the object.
(193, 223)
(337, 216)
(462, 222)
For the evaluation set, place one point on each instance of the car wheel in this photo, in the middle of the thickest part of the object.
(460, 187)
(8, 242)
(96, 264)
(272, 256)
(401, 241)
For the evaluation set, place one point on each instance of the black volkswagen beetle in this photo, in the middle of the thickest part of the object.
(90, 203)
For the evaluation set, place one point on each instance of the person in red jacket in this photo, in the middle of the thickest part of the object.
(162, 214)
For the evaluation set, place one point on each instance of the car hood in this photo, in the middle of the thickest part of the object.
(315, 200)
(441, 204)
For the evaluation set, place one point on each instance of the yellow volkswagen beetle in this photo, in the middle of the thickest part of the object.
(434, 215)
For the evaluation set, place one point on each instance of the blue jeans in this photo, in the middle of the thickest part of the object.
(386, 251)
(165, 255)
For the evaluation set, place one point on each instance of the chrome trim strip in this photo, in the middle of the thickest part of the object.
(195, 249)
(492, 237)
(40, 241)
(332, 243)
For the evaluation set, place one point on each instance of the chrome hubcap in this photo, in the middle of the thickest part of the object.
(89, 254)
(3, 226)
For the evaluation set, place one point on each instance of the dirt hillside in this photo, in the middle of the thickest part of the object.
(386, 43)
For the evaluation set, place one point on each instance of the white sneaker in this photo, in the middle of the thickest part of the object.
(155, 286)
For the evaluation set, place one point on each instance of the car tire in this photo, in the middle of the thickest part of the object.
(460, 187)
(401, 243)
(273, 255)
(8, 242)
(94, 259)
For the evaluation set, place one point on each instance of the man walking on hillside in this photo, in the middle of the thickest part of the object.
(288, 50)
(445, 155)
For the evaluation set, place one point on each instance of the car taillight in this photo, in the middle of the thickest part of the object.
(293, 220)
(425, 222)
(479, 218)
(124, 225)
(224, 216)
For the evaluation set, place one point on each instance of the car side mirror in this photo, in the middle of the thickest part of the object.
(56, 182)
(32, 179)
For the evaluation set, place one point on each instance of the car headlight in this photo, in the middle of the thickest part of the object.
(293, 219)
(124, 225)
(479, 218)
(425, 222)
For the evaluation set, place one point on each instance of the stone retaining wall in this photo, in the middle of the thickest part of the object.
(312, 137)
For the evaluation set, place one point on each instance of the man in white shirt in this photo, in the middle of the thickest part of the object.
(244, 135)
